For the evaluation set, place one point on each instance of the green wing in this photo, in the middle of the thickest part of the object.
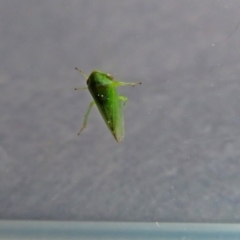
(109, 105)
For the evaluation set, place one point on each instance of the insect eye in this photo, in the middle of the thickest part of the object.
(110, 76)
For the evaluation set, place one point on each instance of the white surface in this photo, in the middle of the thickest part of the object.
(180, 158)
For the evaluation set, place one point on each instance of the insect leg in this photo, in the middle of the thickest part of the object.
(82, 72)
(86, 117)
(119, 84)
(80, 88)
(124, 99)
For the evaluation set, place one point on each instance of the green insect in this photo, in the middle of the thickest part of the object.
(102, 87)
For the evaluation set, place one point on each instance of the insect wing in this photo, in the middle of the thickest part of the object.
(109, 105)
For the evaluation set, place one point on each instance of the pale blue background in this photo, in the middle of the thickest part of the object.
(180, 159)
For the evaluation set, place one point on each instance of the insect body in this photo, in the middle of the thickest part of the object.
(102, 87)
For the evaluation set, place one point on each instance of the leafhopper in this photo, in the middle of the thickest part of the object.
(102, 87)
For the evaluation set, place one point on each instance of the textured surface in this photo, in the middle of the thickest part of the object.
(180, 160)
